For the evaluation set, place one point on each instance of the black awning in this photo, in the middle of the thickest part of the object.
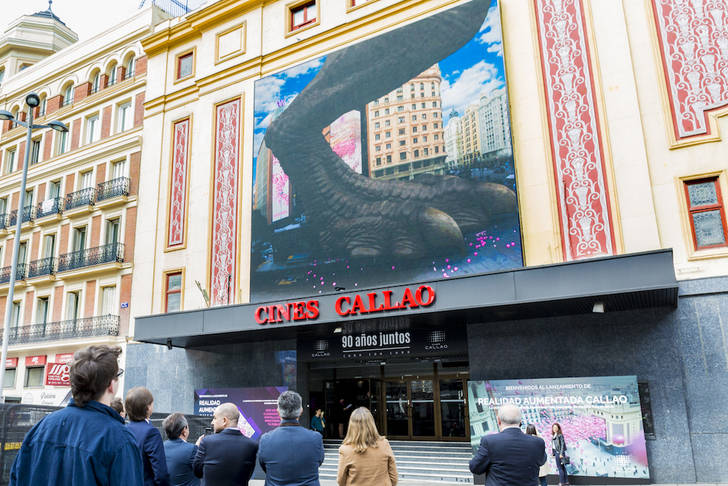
(633, 281)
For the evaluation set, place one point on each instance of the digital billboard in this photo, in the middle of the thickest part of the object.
(386, 162)
(600, 417)
(258, 406)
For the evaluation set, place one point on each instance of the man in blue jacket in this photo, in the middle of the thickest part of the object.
(86, 442)
(178, 451)
(509, 458)
(228, 457)
(291, 455)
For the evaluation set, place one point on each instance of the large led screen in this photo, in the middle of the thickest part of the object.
(258, 406)
(600, 417)
(386, 162)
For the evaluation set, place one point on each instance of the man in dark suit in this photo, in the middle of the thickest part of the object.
(179, 452)
(510, 457)
(291, 455)
(228, 457)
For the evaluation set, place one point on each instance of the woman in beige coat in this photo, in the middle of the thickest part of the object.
(365, 457)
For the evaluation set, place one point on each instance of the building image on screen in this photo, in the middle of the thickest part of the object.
(600, 417)
(388, 161)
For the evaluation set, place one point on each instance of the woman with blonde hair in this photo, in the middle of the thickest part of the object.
(365, 457)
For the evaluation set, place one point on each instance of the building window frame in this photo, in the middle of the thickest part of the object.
(28, 370)
(35, 145)
(719, 184)
(192, 54)
(124, 116)
(10, 159)
(93, 128)
(166, 292)
(307, 23)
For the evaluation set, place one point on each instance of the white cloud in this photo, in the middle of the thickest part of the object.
(302, 69)
(267, 93)
(490, 31)
(478, 80)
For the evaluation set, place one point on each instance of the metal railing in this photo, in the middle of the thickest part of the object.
(113, 252)
(20, 275)
(49, 207)
(28, 215)
(84, 197)
(113, 188)
(107, 325)
(44, 266)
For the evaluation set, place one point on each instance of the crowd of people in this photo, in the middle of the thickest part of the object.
(90, 442)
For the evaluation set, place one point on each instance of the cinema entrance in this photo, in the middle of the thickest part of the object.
(415, 386)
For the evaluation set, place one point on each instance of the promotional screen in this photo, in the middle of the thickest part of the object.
(600, 417)
(386, 162)
(258, 406)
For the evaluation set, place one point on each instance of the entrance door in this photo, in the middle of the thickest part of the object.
(417, 409)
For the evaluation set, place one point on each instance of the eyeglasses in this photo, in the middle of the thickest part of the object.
(121, 372)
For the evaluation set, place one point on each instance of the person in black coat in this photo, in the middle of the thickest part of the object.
(558, 449)
(139, 405)
(228, 457)
(509, 457)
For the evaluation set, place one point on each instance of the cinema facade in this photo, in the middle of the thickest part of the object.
(387, 202)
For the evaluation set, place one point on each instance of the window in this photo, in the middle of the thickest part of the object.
(302, 15)
(427, 151)
(414, 129)
(401, 131)
(123, 117)
(379, 148)
(379, 161)
(61, 142)
(389, 159)
(87, 180)
(173, 292)
(9, 378)
(434, 104)
(424, 128)
(22, 252)
(417, 153)
(435, 125)
(9, 161)
(386, 111)
(706, 213)
(377, 136)
(95, 82)
(54, 189)
(34, 151)
(118, 169)
(386, 99)
(28, 198)
(400, 108)
(401, 119)
(93, 128)
(403, 156)
(34, 376)
(414, 140)
(402, 143)
(3, 205)
(388, 146)
(376, 125)
(387, 134)
(387, 123)
(376, 113)
(424, 116)
(41, 310)
(49, 246)
(15, 320)
(108, 300)
(68, 95)
(130, 67)
(437, 149)
(73, 304)
(79, 238)
(112, 75)
(437, 137)
(185, 65)
(414, 106)
(2, 74)
(112, 231)
(43, 104)
(424, 138)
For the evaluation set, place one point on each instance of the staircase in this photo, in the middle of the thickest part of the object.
(436, 462)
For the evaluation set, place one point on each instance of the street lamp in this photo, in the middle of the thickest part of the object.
(33, 101)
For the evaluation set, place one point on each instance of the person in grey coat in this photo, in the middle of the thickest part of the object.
(291, 455)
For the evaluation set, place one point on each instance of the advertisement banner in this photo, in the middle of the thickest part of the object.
(35, 360)
(600, 417)
(64, 358)
(11, 363)
(258, 406)
(58, 374)
(408, 180)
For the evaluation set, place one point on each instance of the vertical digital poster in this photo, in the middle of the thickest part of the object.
(258, 406)
(386, 162)
(600, 417)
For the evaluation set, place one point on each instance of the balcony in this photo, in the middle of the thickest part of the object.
(42, 267)
(5, 273)
(111, 253)
(49, 207)
(113, 191)
(80, 199)
(28, 215)
(97, 326)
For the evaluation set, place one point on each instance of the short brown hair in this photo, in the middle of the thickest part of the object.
(174, 424)
(92, 370)
(137, 402)
(117, 405)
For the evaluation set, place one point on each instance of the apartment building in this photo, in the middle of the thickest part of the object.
(77, 248)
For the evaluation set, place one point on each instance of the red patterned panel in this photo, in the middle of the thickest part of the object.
(225, 204)
(178, 189)
(581, 185)
(693, 37)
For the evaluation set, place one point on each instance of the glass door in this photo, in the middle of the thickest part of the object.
(422, 409)
(453, 409)
(398, 408)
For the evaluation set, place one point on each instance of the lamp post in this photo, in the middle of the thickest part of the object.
(32, 100)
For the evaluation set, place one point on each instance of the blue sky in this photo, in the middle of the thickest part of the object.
(473, 71)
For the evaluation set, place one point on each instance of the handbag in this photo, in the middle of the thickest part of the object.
(565, 460)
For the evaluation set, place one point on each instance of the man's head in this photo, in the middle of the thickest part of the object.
(225, 416)
(509, 416)
(118, 405)
(175, 426)
(94, 374)
(290, 405)
(138, 404)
